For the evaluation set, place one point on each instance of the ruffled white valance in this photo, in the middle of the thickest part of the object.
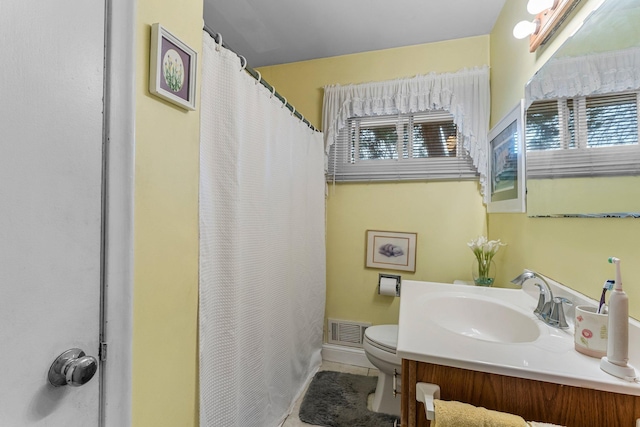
(465, 94)
(593, 74)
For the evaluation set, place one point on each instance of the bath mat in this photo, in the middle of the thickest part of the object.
(336, 399)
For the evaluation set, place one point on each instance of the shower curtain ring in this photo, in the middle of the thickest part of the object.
(273, 91)
(218, 41)
(259, 77)
(243, 62)
(293, 110)
(284, 102)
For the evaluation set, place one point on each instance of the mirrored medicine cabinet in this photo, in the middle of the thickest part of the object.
(583, 156)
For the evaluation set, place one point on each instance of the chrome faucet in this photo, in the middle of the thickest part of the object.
(549, 309)
(545, 299)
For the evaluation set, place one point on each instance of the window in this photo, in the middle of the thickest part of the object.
(583, 136)
(402, 147)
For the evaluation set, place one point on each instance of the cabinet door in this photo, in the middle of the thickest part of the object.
(532, 400)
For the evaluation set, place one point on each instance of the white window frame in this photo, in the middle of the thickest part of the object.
(583, 161)
(342, 167)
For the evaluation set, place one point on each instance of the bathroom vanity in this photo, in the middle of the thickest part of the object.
(485, 347)
(532, 400)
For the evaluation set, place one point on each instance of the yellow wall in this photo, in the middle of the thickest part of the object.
(446, 215)
(573, 251)
(166, 235)
(302, 82)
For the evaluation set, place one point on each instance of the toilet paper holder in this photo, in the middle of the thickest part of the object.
(395, 277)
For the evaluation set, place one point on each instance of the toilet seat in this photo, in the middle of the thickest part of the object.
(380, 343)
(384, 337)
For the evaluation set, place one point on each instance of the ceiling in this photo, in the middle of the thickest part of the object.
(270, 32)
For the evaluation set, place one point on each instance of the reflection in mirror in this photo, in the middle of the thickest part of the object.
(583, 156)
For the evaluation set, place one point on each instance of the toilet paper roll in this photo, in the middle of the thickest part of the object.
(388, 286)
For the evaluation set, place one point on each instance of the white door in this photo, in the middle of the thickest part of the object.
(51, 131)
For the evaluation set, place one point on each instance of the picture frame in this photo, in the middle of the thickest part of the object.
(506, 188)
(172, 68)
(391, 250)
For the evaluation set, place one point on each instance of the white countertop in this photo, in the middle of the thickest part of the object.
(551, 357)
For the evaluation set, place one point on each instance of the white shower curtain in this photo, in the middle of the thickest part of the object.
(262, 249)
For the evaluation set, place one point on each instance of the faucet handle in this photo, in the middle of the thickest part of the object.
(557, 317)
(542, 299)
(560, 300)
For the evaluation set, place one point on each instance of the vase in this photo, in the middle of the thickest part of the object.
(483, 272)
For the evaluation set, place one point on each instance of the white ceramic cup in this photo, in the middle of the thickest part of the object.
(591, 331)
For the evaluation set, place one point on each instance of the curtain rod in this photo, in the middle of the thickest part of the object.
(256, 75)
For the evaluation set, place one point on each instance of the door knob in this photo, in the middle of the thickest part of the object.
(73, 367)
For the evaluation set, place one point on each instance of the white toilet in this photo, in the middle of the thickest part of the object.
(380, 348)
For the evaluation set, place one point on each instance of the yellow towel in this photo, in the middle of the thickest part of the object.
(539, 424)
(458, 414)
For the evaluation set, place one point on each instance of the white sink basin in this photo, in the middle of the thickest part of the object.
(494, 330)
(482, 318)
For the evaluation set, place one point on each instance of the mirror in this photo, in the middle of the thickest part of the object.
(601, 58)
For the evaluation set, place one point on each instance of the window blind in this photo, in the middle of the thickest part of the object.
(611, 120)
(583, 136)
(400, 147)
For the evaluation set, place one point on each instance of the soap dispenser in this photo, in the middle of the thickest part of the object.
(616, 361)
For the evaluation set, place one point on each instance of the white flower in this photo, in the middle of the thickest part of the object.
(484, 250)
(478, 243)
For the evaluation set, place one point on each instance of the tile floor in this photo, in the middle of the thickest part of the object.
(293, 420)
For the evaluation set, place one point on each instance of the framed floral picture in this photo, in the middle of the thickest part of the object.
(506, 187)
(391, 250)
(172, 68)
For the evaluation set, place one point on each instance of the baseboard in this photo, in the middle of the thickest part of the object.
(345, 355)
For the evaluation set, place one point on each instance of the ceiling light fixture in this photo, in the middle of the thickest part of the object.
(525, 28)
(548, 16)
(535, 7)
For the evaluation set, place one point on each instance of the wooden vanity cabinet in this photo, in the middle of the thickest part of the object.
(533, 400)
